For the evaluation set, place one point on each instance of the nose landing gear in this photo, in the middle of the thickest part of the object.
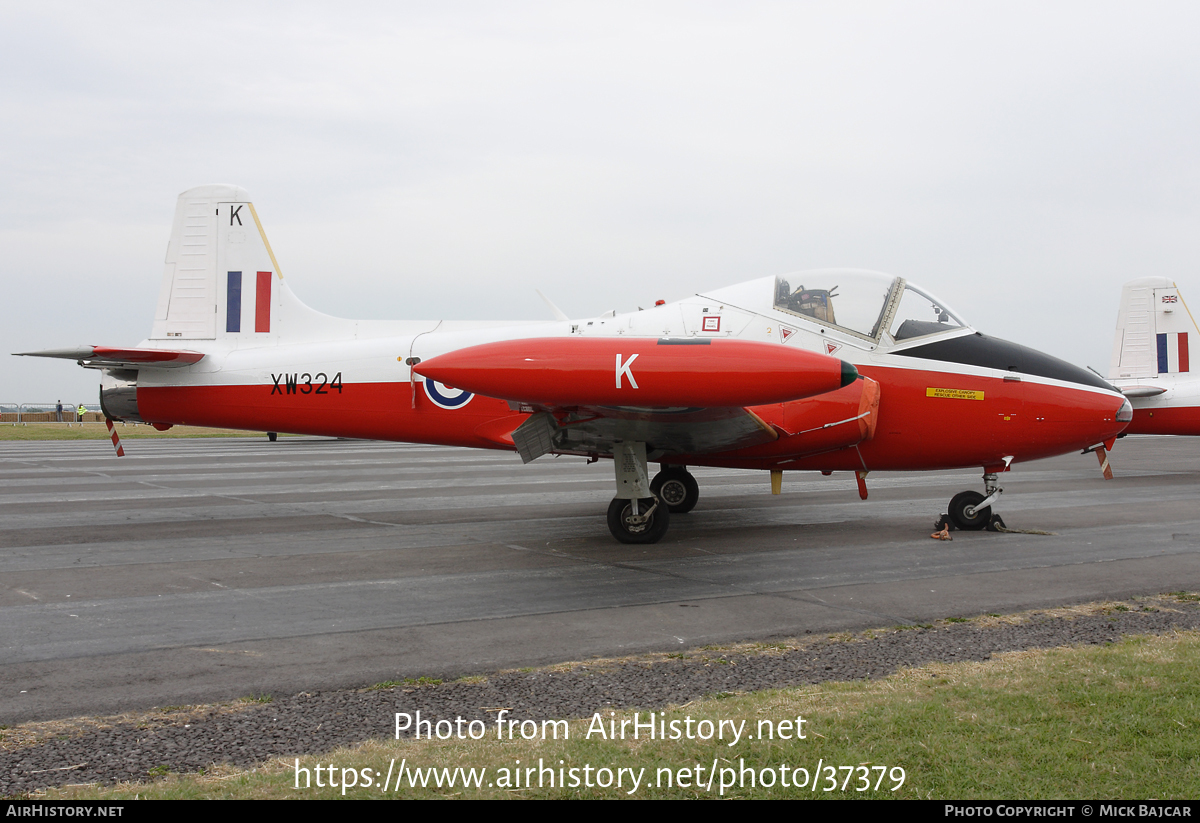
(971, 511)
(966, 501)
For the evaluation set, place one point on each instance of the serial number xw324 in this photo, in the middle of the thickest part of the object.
(306, 383)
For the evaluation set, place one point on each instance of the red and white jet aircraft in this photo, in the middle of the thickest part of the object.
(827, 371)
(1151, 358)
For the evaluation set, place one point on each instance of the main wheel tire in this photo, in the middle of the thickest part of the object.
(958, 511)
(271, 436)
(677, 488)
(650, 532)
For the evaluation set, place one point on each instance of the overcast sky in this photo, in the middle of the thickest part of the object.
(443, 160)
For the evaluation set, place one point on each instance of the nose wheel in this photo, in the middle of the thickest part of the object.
(965, 502)
(971, 511)
(676, 487)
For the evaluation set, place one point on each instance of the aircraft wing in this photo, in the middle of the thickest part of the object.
(668, 431)
(681, 396)
(104, 357)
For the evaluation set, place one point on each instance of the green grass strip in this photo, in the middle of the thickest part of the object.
(1098, 722)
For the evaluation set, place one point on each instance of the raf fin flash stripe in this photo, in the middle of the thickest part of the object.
(1173, 353)
(233, 302)
(262, 302)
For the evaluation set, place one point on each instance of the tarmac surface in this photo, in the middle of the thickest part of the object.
(193, 571)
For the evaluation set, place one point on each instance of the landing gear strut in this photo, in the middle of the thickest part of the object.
(638, 521)
(637, 514)
(971, 511)
(676, 487)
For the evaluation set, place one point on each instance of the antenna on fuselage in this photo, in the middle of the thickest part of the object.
(558, 313)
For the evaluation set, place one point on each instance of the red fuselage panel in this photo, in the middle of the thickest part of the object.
(925, 420)
(1166, 420)
(933, 420)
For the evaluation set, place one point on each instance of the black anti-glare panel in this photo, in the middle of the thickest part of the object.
(992, 353)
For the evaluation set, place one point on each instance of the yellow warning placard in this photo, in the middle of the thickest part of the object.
(955, 394)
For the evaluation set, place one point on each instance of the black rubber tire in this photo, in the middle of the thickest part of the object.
(652, 532)
(958, 511)
(271, 436)
(677, 488)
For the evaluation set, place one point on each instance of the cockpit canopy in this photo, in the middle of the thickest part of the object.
(866, 304)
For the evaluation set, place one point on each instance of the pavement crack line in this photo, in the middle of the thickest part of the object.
(734, 590)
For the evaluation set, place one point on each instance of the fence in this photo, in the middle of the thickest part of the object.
(49, 413)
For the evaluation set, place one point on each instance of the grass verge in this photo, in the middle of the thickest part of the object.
(1118, 721)
(98, 431)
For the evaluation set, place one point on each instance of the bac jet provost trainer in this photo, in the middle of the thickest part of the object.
(828, 371)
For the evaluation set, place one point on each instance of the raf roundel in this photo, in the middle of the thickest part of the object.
(446, 397)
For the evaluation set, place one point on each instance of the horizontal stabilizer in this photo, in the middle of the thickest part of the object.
(1142, 391)
(104, 357)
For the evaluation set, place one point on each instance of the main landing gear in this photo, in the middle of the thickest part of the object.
(676, 487)
(638, 521)
(641, 511)
(971, 511)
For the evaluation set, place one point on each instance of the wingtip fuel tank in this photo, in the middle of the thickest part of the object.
(640, 372)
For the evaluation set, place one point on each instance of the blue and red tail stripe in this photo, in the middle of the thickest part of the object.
(262, 302)
(1173, 353)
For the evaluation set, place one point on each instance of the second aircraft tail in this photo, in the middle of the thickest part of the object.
(1154, 331)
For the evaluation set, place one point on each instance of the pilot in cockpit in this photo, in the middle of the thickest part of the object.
(816, 303)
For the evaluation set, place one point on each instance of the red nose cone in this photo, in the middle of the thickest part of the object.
(1058, 419)
(643, 372)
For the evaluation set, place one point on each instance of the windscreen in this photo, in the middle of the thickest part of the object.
(920, 314)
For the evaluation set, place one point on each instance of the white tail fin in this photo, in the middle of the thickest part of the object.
(221, 279)
(1154, 330)
(208, 238)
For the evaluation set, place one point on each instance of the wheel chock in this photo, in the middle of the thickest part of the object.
(944, 525)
